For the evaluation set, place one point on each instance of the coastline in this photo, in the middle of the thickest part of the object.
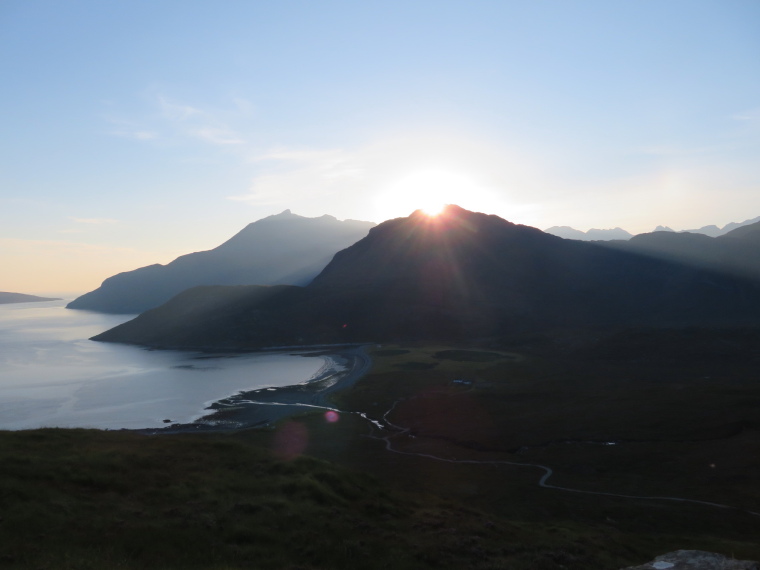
(265, 406)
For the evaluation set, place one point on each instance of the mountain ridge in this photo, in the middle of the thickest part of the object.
(617, 233)
(281, 249)
(461, 275)
(737, 252)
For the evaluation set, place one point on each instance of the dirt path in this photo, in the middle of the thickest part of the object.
(255, 409)
(542, 482)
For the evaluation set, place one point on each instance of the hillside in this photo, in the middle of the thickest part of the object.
(283, 249)
(461, 275)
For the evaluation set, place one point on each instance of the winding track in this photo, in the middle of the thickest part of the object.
(364, 363)
(548, 472)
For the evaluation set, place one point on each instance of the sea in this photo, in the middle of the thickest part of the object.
(51, 375)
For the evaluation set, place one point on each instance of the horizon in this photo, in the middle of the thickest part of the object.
(69, 295)
(135, 134)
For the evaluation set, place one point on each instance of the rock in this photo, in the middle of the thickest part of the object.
(695, 560)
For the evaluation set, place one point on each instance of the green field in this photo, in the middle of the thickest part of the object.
(316, 494)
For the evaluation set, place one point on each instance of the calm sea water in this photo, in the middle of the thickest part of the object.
(51, 375)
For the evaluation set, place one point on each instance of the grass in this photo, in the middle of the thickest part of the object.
(684, 428)
(416, 365)
(468, 355)
(315, 494)
(390, 352)
(90, 499)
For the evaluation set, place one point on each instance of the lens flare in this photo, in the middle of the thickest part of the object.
(290, 440)
(429, 191)
(433, 209)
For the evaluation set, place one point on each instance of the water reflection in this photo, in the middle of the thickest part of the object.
(51, 375)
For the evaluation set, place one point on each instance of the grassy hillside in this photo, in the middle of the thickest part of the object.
(680, 408)
(87, 499)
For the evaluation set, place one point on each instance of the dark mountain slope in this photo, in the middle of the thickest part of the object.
(461, 275)
(620, 234)
(749, 233)
(282, 249)
(464, 260)
(736, 252)
(715, 231)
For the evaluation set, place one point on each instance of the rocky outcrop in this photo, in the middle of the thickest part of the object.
(696, 560)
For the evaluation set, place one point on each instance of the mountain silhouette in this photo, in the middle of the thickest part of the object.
(736, 252)
(7, 298)
(458, 276)
(591, 235)
(715, 231)
(749, 234)
(620, 234)
(281, 249)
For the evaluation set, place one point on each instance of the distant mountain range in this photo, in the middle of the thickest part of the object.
(281, 249)
(7, 298)
(567, 232)
(463, 276)
(618, 233)
(736, 252)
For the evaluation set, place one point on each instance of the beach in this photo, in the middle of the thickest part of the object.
(265, 406)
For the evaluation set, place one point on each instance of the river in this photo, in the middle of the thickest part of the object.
(51, 375)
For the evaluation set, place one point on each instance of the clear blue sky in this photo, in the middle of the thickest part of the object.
(132, 132)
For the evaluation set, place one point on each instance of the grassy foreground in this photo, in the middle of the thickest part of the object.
(80, 499)
(319, 494)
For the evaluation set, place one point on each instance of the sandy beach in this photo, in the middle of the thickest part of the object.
(265, 406)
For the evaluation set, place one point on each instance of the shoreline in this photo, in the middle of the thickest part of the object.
(263, 407)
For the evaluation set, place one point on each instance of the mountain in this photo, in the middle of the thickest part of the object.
(566, 232)
(458, 276)
(712, 230)
(7, 298)
(281, 249)
(736, 252)
(620, 234)
(593, 234)
(749, 234)
(715, 231)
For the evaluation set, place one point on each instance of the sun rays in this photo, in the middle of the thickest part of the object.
(429, 190)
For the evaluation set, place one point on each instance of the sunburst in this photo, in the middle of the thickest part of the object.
(426, 190)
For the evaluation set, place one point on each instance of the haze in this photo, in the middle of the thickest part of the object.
(137, 132)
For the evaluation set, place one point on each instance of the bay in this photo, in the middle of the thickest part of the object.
(51, 375)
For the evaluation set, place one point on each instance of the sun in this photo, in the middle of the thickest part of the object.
(427, 190)
(433, 210)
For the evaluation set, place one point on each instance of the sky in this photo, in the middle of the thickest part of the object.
(134, 132)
